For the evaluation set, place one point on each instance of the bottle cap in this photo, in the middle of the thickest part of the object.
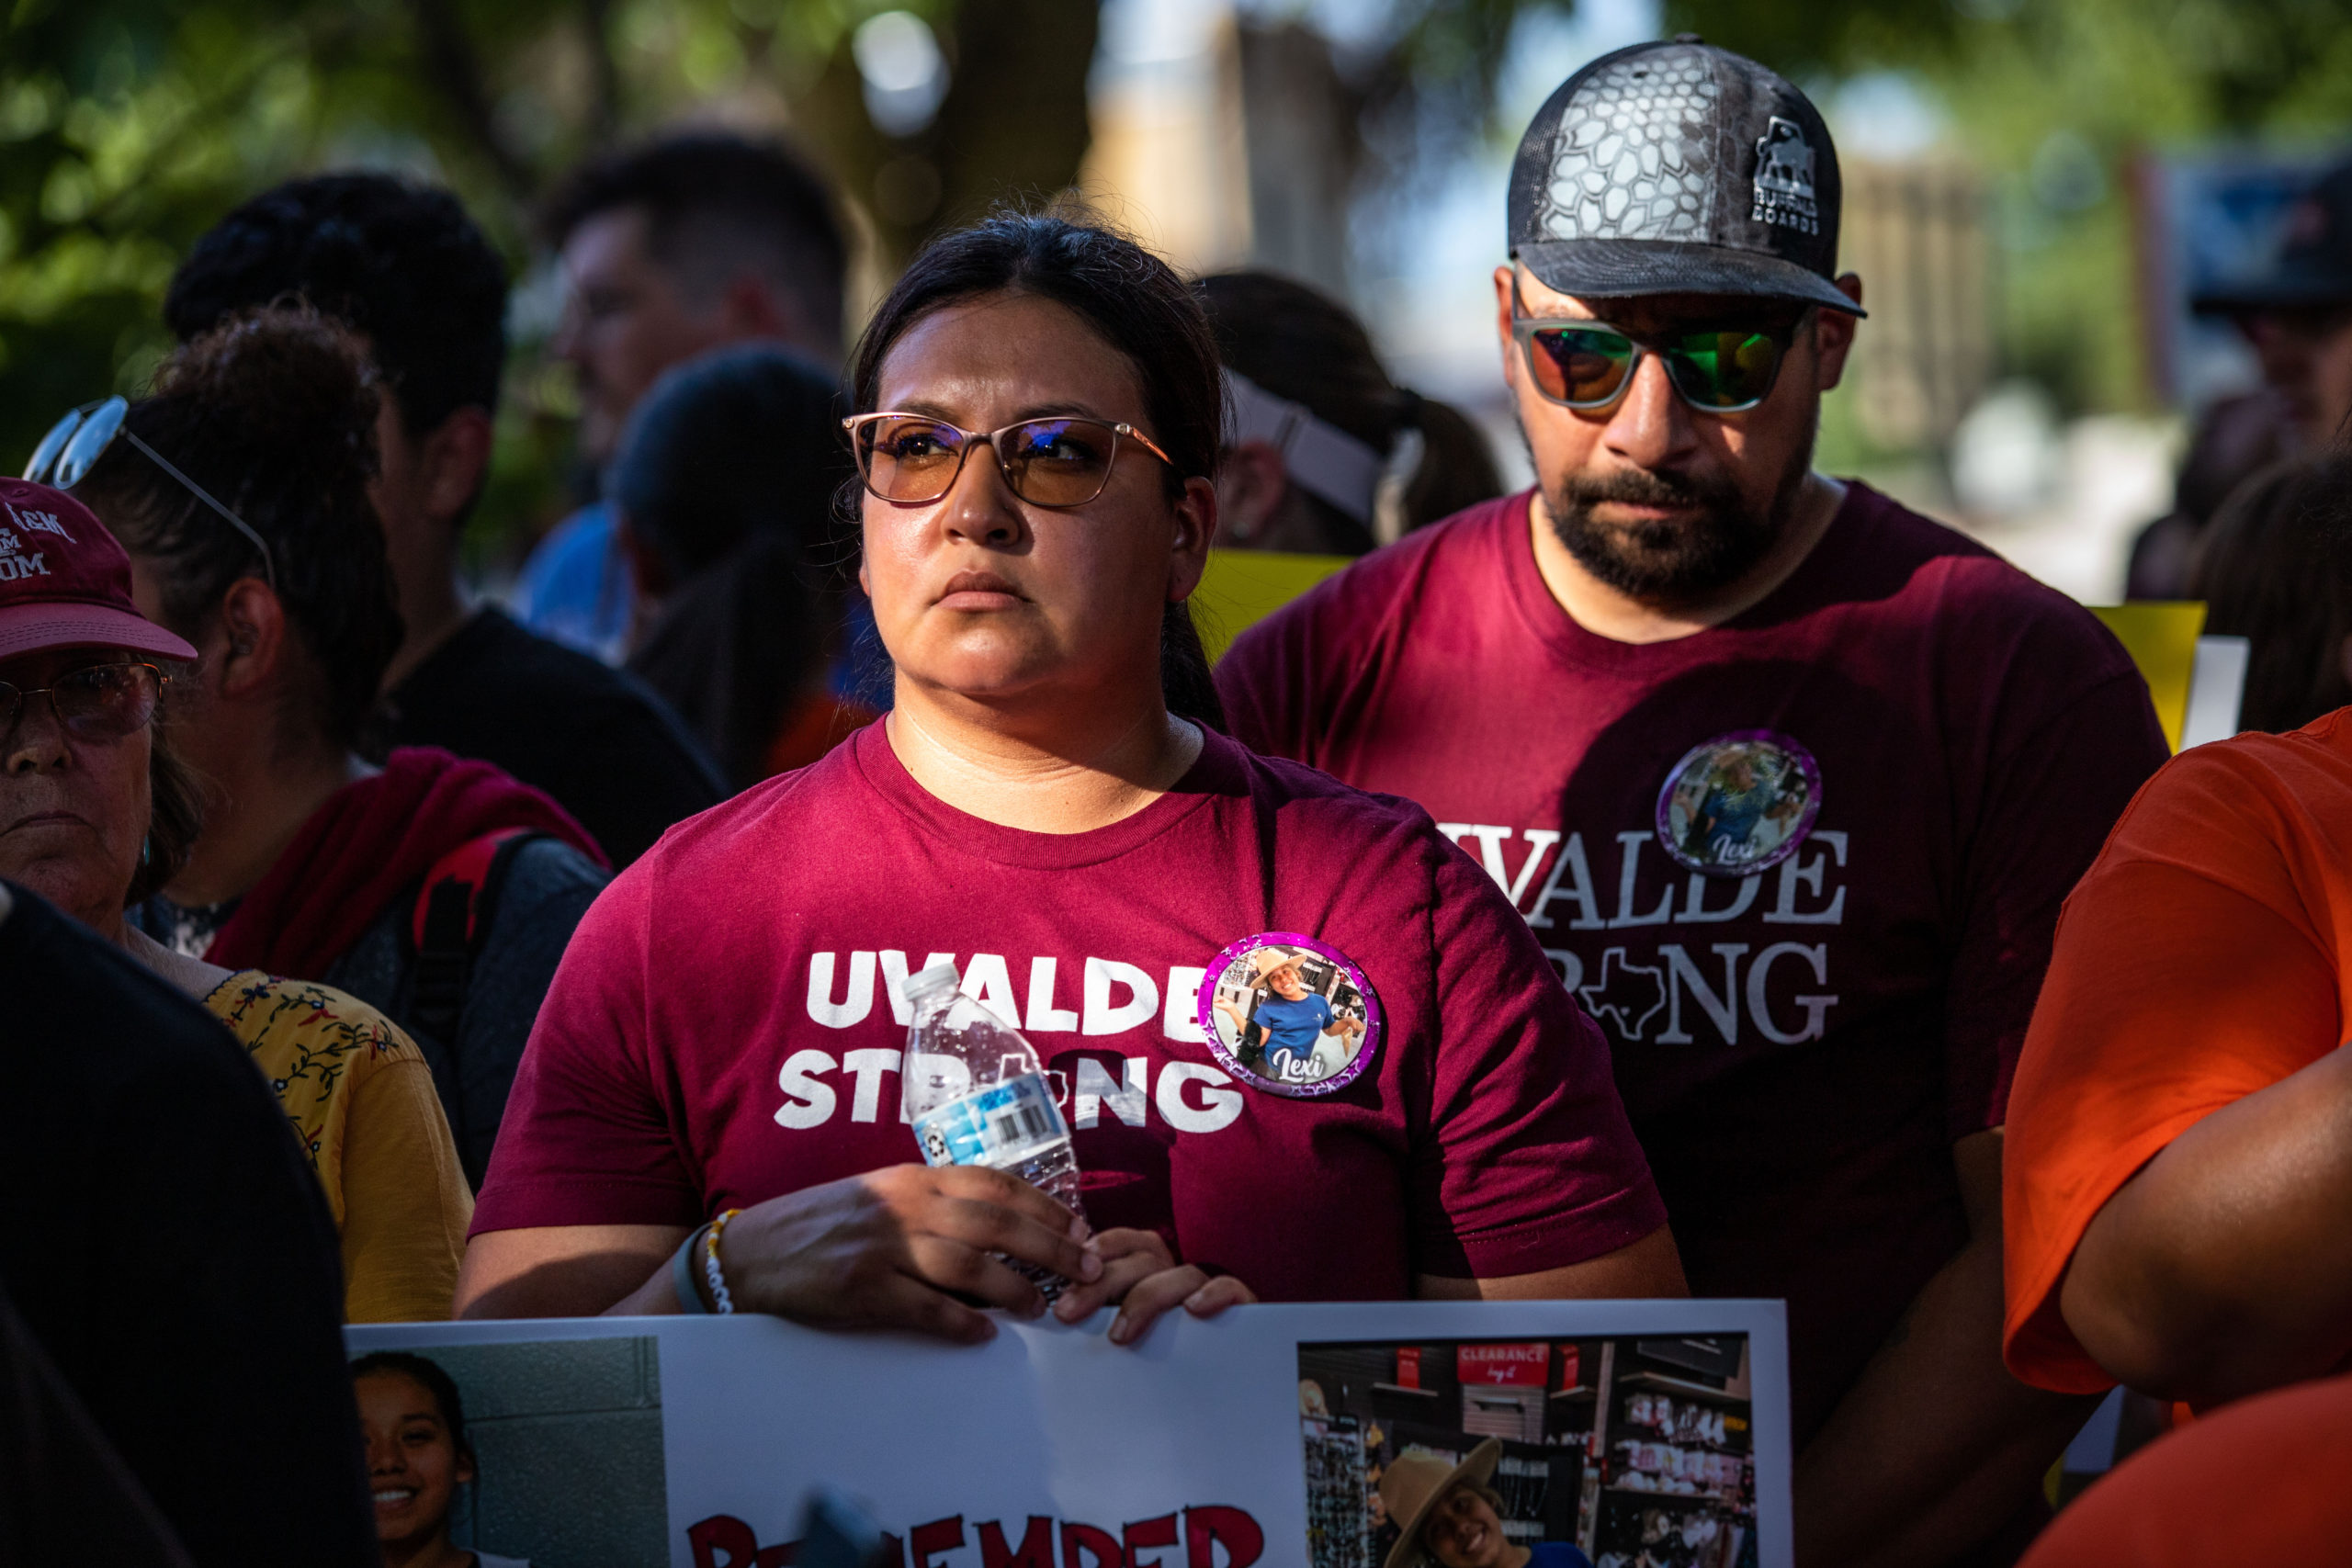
(937, 980)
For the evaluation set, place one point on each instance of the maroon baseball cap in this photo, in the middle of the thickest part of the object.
(64, 580)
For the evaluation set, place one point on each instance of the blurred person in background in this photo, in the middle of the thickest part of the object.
(726, 486)
(97, 813)
(1317, 421)
(2276, 571)
(2237, 437)
(404, 267)
(439, 891)
(167, 1249)
(1791, 781)
(693, 240)
(2296, 314)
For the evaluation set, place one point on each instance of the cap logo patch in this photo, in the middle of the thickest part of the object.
(13, 565)
(1634, 156)
(1784, 178)
(39, 521)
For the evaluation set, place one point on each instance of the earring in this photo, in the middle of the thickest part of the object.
(147, 850)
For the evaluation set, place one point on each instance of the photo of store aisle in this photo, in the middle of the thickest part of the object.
(1636, 1452)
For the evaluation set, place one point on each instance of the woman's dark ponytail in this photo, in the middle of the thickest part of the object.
(1184, 679)
(1456, 467)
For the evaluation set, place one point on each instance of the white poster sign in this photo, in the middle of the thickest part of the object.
(1629, 1432)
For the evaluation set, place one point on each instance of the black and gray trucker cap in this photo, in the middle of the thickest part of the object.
(1678, 168)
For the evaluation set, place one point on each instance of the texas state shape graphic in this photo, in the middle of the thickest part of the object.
(1634, 992)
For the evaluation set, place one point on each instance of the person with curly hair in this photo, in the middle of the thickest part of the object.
(403, 267)
(312, 861)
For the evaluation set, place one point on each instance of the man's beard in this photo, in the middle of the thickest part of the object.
(1672, 560)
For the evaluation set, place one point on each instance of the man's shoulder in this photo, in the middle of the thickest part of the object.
(1360, 618)
(500, 688)
(1911, 564)
(1890, 540)
(499, 654)
(1426, 559)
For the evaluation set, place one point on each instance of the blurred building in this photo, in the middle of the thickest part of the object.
(1222, 142)
(1916, 231)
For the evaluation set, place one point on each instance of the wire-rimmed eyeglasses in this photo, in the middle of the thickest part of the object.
(912, 459)
(98, 701)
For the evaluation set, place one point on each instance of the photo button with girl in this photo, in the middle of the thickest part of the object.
(1738, 804)
(1289, 1015)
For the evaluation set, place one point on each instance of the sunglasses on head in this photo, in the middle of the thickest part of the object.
(98, 701)
(1589, 365)
(912, 459)
(71, 448)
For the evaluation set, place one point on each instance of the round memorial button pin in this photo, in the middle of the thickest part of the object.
(1287, 1014)
(1739, 802)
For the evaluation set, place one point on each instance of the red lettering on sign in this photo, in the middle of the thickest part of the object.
(723, 1532)
(1036, 1549)
(1144, 1534)
(1099, 1544)
(723, 1540)
(940, 1535)
(1209, 1527)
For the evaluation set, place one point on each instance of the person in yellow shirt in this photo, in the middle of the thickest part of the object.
(359, 1097)
(95, 813)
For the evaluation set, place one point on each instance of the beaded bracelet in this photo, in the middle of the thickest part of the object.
(720, 1301)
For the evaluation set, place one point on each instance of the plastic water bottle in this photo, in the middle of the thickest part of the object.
(978, 1094)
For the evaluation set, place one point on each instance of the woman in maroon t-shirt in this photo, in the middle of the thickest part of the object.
(1050, 782)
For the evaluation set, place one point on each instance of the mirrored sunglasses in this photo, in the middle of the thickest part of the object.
(912, 460)
(74, 443)
(1589, 365)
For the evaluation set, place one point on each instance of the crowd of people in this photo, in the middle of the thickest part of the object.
(1701, 824)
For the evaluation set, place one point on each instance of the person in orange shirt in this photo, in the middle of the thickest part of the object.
(2181, 1131)
(2222, 1490)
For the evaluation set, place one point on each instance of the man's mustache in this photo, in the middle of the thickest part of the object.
(1642, 487)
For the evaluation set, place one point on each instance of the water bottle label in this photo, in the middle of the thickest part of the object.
(1000, 1125)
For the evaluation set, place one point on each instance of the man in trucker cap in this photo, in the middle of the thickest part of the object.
(1789, 778)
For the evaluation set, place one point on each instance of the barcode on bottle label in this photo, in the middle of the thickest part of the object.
(1000, 1125)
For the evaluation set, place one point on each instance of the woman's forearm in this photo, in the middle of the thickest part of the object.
(569, 1271)
(2224, 1267)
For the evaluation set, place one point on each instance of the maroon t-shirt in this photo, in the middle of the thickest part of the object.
(1798, 1046)
(728, 1022)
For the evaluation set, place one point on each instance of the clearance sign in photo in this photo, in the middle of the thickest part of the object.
(698, 1441)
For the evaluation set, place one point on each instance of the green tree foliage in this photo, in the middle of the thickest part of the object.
(2060, 102)
(127, 126)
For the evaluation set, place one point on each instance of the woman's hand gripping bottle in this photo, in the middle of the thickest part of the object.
(977, 1095)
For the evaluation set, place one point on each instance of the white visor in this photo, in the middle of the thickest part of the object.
(1321, 459)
